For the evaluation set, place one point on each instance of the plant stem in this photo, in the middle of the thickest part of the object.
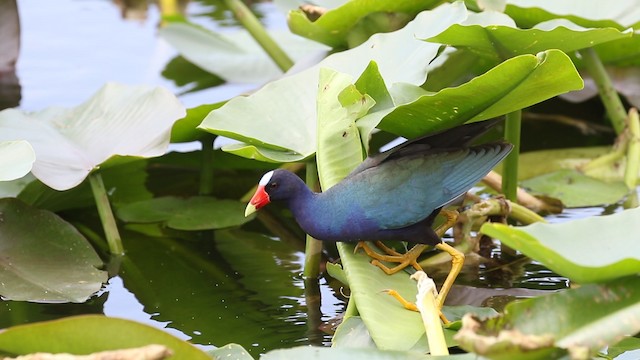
(313, 250)
(206, 170)
(608, 94)
(510, 173)
(633, 151)
(106, 215)
(259, 33)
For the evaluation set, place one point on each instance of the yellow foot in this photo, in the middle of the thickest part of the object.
(411, 306)
(410, 258)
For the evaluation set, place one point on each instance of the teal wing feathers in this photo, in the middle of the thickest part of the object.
(400, 192)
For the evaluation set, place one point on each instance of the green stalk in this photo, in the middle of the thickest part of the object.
(633, 151)
(313, 249)
(510, 173)
(106, 215)
(206, 170)
(608, 94)
(259, 33)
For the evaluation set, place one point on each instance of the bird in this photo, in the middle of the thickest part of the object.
(394, 195)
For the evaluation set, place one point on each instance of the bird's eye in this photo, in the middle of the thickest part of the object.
(273, 185)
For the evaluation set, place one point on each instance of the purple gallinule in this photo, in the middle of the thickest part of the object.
(395, 195)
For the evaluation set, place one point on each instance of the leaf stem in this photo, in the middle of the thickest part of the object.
(633, 151)
(510, 173)
(206, 169)
(313, 250)
(255, 28)
(608, 94)
(106, 215)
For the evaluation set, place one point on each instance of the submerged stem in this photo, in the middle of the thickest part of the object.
(106, 215)
(313, 249)
(608, 94)
(510, 173)
(258, 32)
(206, 169)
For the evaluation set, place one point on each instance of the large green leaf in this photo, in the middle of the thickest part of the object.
(575, 189)
(117, 120)
(44, 258)
(259, 121)
(16, 159)
(335, 25)
(194, 213)
(586, 250)
(91, 333)
(236, 56)
(498, 42)
(579, 321)
(340, 104)
(620, 15)
(514, 84)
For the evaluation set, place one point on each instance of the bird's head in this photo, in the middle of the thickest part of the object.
(274, 185)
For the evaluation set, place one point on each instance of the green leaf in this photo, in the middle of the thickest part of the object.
(586, 250)
(575, 189)
(44, 258)
(88, 334)
(185, 129)
(117, 120)
(235, 57)
(16, 159)
(580, 321)
(515, 84)
(340, 147)
(194, 213)
(500, 42)
(231, 352)
(335, 25)
(621, 15)
(259, 122)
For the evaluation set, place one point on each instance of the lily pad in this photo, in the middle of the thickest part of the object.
(587, 250)
(117, 120)
(583, 321)
(235, 57)
(500, 42)
(82, 335)
(194, 213)
(575, 189)
(514, 84)
(334, 26)
(259, 121)
(16, 159)
(44, 258)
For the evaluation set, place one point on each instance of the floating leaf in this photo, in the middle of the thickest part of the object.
(259, 121)
(88, 334)
(194, 213)
(514, 84)
(117, 120)
(16, 159)
(586, 250)
(235, 57)
(575, 189)
(44, 258)
(498, 42)
(583, 321)
(335, 25)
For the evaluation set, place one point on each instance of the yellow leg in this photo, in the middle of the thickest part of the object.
(457, 260)
(411, 256)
